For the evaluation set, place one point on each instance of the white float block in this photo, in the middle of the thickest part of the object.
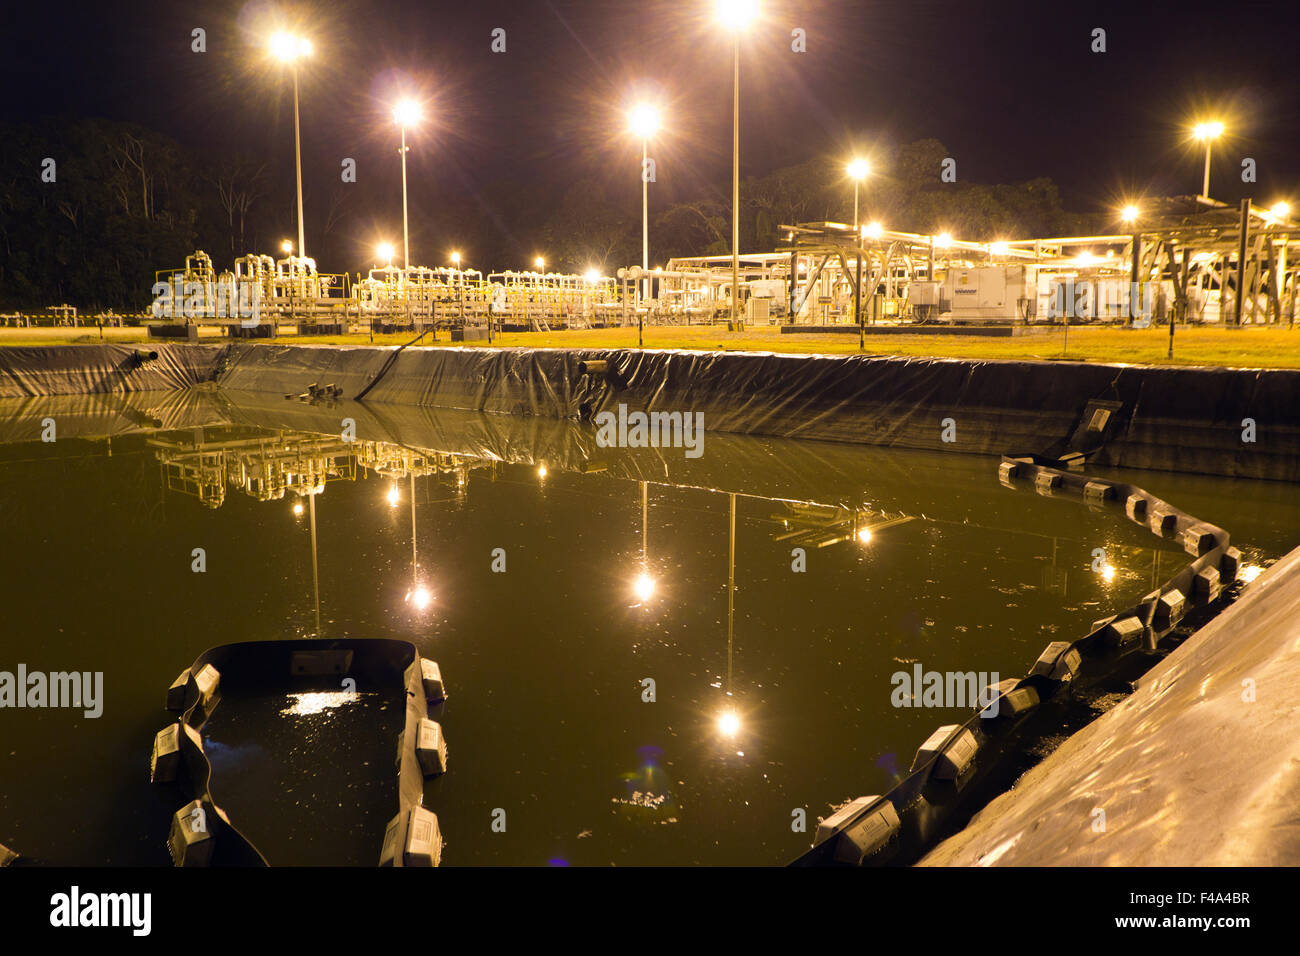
(190, 840)
(431, 677)
(431, 748)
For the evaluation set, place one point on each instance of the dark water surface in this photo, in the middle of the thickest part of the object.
(546, 662)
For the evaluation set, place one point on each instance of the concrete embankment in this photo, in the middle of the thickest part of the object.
(1232, 422)
(1199, 767)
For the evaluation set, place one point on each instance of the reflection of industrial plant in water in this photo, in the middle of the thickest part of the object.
(266, 466)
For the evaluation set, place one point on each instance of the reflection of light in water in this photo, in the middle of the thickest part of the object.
(645, 587)
(316, 702)
(864, 535)
(297, 507)
(393, 496)
(541, 471)
(1250, 572)
(729, 723)
(420, 597)
(1108, 572)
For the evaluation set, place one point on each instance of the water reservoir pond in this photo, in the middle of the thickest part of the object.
(611, 701)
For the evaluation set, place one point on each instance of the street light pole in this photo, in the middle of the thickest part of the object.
(645, 213)
(1205, 183)
(735, 188)
(297, 149)
(406, 233)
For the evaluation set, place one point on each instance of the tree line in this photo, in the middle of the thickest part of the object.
(126, 201)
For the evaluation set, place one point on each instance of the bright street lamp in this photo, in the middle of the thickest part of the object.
(455, 259)
(540, 263)
(287, 247)
(1208, 132)
(406, 113)
(1129, 214)
(288, 48)
(384, 251)
(644, 122)
(736, 15)
(858, 170)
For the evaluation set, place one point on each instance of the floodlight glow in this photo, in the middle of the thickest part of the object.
(1280, 210)
(1129, 214)
(287, 47)
(393, 496)
(540, 263)
(407, 113)
(873, 230)
(999, 248)
(384, 251)
(729, 723)
(859, 168)
(943, 240)
(287, 246)
(1086, 258)
(643, 120)
(644, 588)
(737, 14)
(592, 276)
(1209, 130)
(455, 258)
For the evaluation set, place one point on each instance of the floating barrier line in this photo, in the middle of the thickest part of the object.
(957, 760)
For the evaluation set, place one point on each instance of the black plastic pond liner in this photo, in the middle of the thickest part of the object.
(84, 369)
(1216, 421)
(201, 832)
(952, 770)
(1178, 419)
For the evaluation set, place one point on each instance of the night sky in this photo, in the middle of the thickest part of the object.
(1012, 89)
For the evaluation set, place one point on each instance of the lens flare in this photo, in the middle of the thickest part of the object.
(644, 588)
(729, 723)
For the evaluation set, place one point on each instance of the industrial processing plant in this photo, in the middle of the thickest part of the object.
(668, 436)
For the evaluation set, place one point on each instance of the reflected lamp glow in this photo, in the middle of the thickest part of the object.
(1108, 572)
(1249, 573)
(419, 597)
(541, 471)
(393, 496)
(644, 587)
(729, 723)
(864, 535)
(297, 507)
